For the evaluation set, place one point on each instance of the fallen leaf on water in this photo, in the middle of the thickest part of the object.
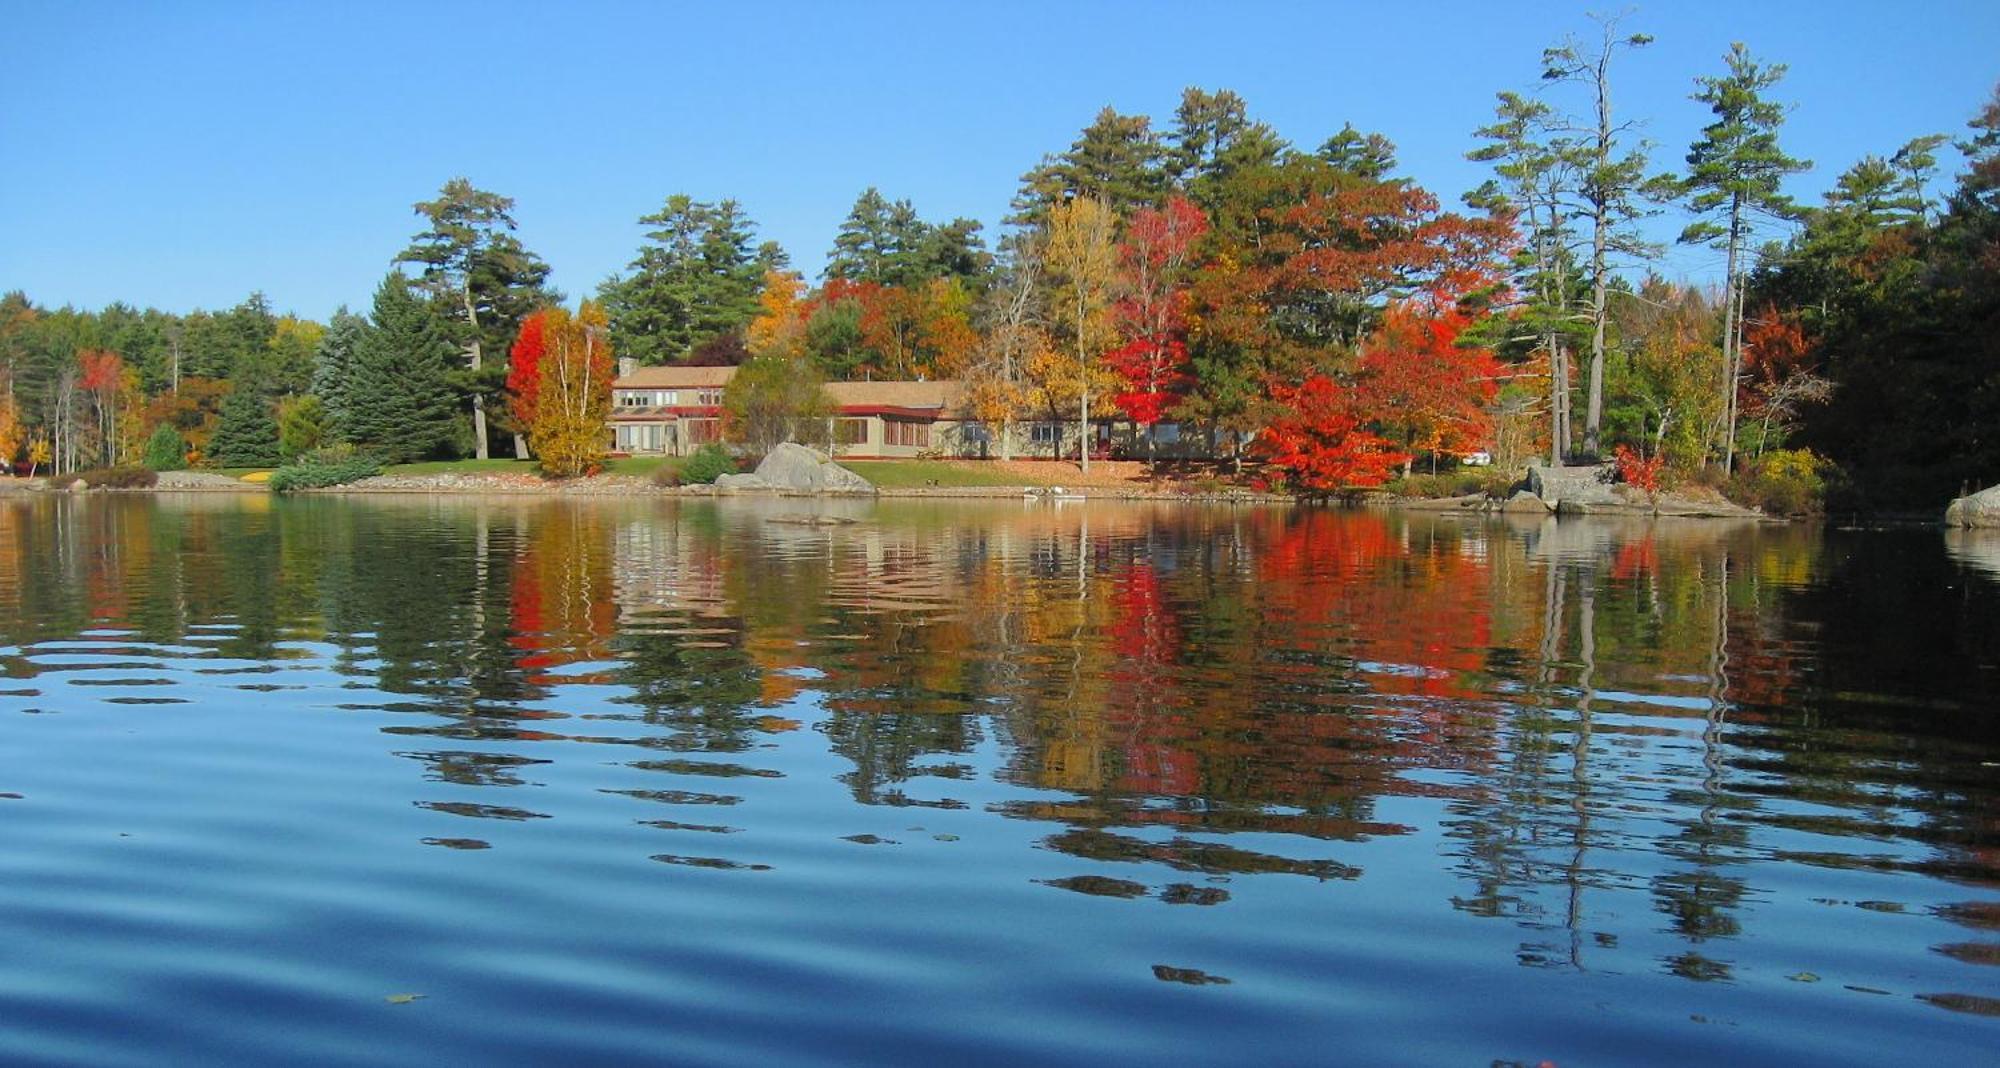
(402, 999)
(1167, 973)
(1803, 977)
(945, 837)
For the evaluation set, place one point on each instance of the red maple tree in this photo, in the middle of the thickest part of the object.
(1152, 315)
(524, 368)
(1319, 440)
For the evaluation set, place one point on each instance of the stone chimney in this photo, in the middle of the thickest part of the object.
(627, 365)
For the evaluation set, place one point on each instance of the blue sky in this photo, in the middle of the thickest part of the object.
(184, 154)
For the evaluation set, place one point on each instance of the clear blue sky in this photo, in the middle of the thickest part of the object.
(183, 154)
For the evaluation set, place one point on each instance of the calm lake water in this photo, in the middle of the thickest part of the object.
(450, 781)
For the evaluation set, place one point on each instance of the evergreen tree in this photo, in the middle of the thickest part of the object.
(247, 435)
(1212, 140)
(480, 274)
(399, 403)
(697, 277)
(887, 243)
(333, 365)
(1118, 160)
(1610, 183)
(1735, 174)
(1367, 156)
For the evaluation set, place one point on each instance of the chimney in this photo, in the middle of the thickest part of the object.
(627, 365)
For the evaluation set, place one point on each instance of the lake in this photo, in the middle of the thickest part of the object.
(415, 780)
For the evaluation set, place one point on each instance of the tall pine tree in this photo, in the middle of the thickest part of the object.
(332, 366)
(697, 277)
(1735, 171)
(397, 395)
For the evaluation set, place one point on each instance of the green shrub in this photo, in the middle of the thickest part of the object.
(124, 476)
(165, 451)
(332, 466)
(1785, 482)
(705, 465)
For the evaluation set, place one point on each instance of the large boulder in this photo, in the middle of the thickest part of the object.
(796, 469)
(1574, 486)
(1981, 509)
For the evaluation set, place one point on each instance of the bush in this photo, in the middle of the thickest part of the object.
(165, 451)
(124, 476)
(333, 466)
(705, 465)
(1785, 482)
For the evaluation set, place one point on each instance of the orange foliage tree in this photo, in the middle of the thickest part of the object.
(1319, 441)
(1421, 385)
(559, 387)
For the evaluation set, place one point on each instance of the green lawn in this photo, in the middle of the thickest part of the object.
(640, 466)
(463, 467)
(907, 474)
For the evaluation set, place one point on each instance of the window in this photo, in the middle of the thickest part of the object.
(1044, 433)
(904, 432)
(708, 397)
(631, 398)
(667, 396)
(1167, 433)
(704, 431)
(850, 432)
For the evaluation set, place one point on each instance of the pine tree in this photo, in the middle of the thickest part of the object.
(696, 278)
(398, 398)
(1118, 160)
(246, 435)
(1734, 174)
(333, 366)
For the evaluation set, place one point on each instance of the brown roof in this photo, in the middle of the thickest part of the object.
(674, 378)
(943, 395)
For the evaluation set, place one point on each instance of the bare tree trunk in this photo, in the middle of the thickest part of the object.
(478, 399)
(1083, 420)
(1731, 294)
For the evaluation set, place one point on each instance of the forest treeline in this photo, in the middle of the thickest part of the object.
(1301, 302)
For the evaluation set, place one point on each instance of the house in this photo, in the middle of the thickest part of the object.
(673, 411)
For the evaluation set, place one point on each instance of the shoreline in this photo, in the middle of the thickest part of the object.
(597, 486)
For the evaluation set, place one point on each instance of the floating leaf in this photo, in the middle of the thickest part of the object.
(945, 837)
(1803, 977)
(402, 999)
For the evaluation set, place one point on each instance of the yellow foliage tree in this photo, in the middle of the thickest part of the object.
(780, 325)
(12, 433)
(1081, 253)
(560, 386)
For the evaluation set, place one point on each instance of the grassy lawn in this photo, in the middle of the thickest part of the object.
(463, 467)
(640, 466)
(905, 474)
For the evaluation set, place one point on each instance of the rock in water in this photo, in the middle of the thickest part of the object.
(742, 482)
(797, 468)
(1981, 509)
